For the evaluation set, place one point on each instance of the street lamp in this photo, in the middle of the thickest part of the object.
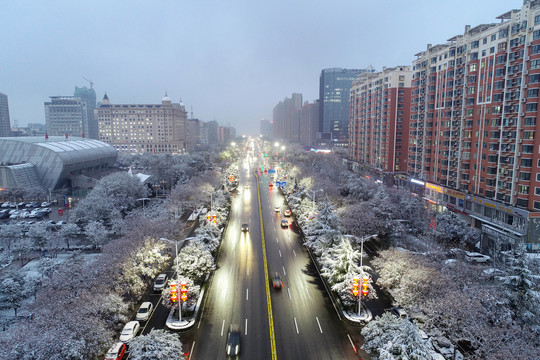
(156, 187)
(163, 183)
(211, 203)
(365, 238)
(313, 197)
(143, 200)
(177, 274)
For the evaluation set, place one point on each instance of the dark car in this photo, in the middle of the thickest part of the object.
(277, 282)
(233, 341)
(284, 223)
(245, 227)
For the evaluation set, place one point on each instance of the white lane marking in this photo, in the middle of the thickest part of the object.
(296, 324)
(192, 347)
(294, 252)
(320, 328)
(354, 347)
(248, 271)
(307, 291)
(289, 291)
(277, 240)
(284, 272)
(279, 253)
(246, 328)
(247, 294)
(222, 327)
(202, 313)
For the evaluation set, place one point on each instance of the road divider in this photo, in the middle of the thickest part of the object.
(267, 281)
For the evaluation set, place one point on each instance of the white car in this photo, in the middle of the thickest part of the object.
(45, 204)
(144, 311)
(130, 331)
(476, 257)
(160, 282)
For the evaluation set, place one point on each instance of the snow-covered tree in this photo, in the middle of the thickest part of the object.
(68, 232)
(390, 338)
(209, 236)
(522, 293)
(96, 232)
(157, 344)
(6, 257)
(454, 232)
(13, 290)
(39, 234)
(195, 262)
(10, 233)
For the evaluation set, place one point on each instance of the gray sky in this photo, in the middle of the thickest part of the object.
(232, 61)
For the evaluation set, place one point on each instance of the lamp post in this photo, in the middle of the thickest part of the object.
(143, 200)
(211, 203)
(313, 197)
(163, 183)
(177, 274)
(362, 268)
(156, 187)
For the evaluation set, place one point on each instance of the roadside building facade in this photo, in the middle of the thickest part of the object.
(286, 118)
(66, 115)
(334, 89)
(379, 118)
(5, 124)
(473, 144)
(88, 95)
(308, 123)
(139, 128)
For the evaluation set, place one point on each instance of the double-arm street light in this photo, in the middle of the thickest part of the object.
(143, 200)
(177, 273)
(365, 238)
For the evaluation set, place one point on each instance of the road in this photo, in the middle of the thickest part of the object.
(296, 322)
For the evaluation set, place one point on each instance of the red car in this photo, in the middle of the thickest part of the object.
(116, 352)
(270, 185)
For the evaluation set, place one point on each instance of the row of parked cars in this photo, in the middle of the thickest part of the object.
(132, 328)
(22, 204)
(24, 213)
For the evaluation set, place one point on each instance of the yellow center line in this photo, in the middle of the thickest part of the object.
(267, 281)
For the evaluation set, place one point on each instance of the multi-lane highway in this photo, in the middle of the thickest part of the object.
(296, 322)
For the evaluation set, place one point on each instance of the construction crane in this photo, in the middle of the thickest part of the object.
(90, 81)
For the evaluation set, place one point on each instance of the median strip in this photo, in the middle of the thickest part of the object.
(267, 281)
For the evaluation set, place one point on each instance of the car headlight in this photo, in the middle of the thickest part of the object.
(228, 349)
(236, 349)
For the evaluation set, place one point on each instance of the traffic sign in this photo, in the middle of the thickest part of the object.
(271, 171)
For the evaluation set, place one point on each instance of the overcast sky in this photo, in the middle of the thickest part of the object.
(231, 61)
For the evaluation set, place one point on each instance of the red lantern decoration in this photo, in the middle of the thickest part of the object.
(183, 291)
(365, 285)
(355, 287)
(174, 297)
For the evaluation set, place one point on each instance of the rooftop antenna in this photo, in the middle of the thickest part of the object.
(90, 81)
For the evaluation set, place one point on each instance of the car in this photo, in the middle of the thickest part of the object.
(61, 222)
(47, 210)
(14, 216)
(277, 283)
(116, 352)
(160, 282)
(284, 223)
(287, 213)
(233, 341)
(276, 209)
(398, 312)
(21, 204)
(6, 204)
(270, 185)
(45, 204)
(476, 257)
(144, 311)
(129, 331)
(245, 227)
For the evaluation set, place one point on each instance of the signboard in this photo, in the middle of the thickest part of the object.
(271, 171)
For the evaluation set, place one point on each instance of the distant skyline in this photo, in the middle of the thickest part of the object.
(230, 61)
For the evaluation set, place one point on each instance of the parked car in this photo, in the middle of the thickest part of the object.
(21, 204)
(160, 282)
(233, 341)
(116, 352)
(130, 331)
(398, 312)
(45, 204)
(61, 222)
(144, 311)
(476, 257)
(6, 204)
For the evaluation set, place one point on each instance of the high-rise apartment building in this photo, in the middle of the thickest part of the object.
(88, 95)
(334, 88)
(225, 134)
(66, 115)
(308, 123)
(5, 124)
(286, 118)
(473, 128)
(153, 128)
(194, 130)
(266, 128)
(379, 118)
